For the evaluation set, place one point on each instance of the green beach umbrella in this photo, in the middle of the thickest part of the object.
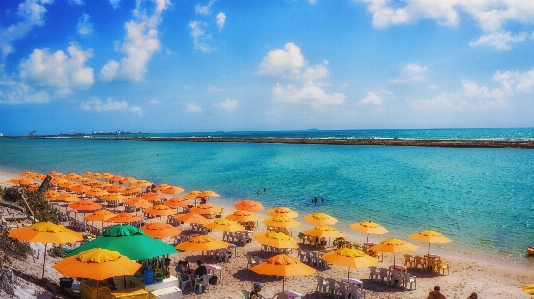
(129, 241)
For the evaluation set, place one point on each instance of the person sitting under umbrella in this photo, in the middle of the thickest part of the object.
(254, 293)
(201, 270)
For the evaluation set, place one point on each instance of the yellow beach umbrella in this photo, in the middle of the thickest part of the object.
(352, 258)
(281, 222)
(192, 218)
(320, 219)
(323, 231)
(283, 211)
(393, 245)
(276, 240)
(368, 227)
(242, 216)
(283, 265)
(202, 243)
(225, 225)
(205, 209)
(46, 232)
(429, 236)
(172, 190)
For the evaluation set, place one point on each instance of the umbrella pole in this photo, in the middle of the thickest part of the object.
(44, 261)
(283, 280)
(348, 273)
(428, 249)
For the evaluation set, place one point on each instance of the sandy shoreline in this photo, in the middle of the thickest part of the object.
(488, 279)
(525, 144)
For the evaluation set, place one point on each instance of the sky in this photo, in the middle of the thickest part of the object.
(249, 65)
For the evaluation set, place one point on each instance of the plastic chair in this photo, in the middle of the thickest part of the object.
(246, 294)
(343, 291)
(431, 265)
(408, 261)
(250, 262)
(374, 274)
(407, 278)
(384, 275)
(321, 284)
(395, 279)
(333, 289)
(257, 259)
(184, 282)
(418, 260)
(442, 266)
(356, 292)
(203, 283)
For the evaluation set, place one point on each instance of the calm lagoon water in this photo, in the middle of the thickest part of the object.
(483, 199)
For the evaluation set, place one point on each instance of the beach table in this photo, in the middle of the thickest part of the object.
(432, 256)
(353, 281)
(214, 268)
(292, 294)
(369, 244)
(398, 267)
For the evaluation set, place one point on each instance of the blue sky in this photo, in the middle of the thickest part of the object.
(187, 66)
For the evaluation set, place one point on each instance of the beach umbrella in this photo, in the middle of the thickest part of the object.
(206, 209)
(320, 219)
(115, 178)
(96, 192)
(71, 176)
(67, 184)
(51, 195)
(21, 182)
(46, 232)
(138, 202)
(128, 180)
(97, 184)
(192, 194)
(80, 188)
(131, 190)
(106, 175)
(67, 197)
(152, 196)
(87, 174)
(28, 174)
(85, 205)
(98, 264)
(393, 245)
(351, 258)
(177, 202)
(281, 222)
(57, 180)
(323, 231)
(192, 218)
(129, 241)
(225, 225)
(115, 188)
(160, 210)
(142, 183)
(282, 211)
(161, 187)
(172, 190)
(249, 205)
(242, 216)
(100, 215)
(208, 193)
(202, 243)
(95, 175)
(429, 236)
(283, 265)
(368, 227)
(160, 230)
(124, 218)
(114, 196)
(55, 173)
(276, 240)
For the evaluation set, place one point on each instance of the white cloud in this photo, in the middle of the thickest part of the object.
(140, 42)
(500, 40)
(204, 10)
(309, 94)
(153, 102)
(115, 3)
(58, 71)
(13, 93)
(371, 98)
(84, 26)
(490, 15)
(227, 105)
(221, 19)
(78, 2)
(516, 81)
(280, 61)
(191, 107)
(433, 86)
(200, 37)
(95, 104)
(214, 89)
(32, 13)
(411, 72)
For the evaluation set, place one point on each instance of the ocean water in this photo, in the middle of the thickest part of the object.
(483, 199)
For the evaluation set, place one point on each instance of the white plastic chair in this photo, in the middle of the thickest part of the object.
(184, 282)
(407, 278)
(321, 284)
(246, 294)
(356, 292)
(374, 274)
(384, 275)
(395, 278)
(343, 291)
(333, 289)
(280, 295)
(250, 261)
(203, 283)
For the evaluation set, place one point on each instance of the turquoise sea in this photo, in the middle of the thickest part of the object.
(483, 199)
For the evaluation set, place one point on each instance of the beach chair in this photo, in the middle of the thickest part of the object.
(280, 295)
(250, 262)
(356, 292)
(408, 261)
(333, 289)
(343, 291)
(384, 275)
(203, 283)
(395, 278)
(321, 284)
(431, 265)
(246, 294)
(314, 258)
(257, 259)
(418, 260)
(407, 278)
(184, 282)
(374, 274)
(442, 266)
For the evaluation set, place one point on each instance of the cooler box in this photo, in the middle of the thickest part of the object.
(166, 293)
(134, 293)
(88, 289)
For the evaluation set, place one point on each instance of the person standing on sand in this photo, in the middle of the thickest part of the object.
(254, 293)
(436, 294)
(473, 296)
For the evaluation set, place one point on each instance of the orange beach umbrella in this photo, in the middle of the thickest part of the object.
(172, 190)
(160, 230)
(21, 182)
(192, 218)
(242, 216)
(225, 225)
(352, 258)
(160, 210)
(283, 265)
(124, 218)
(281, 222)
(96, 192)
(100, 215)
(320, 219)
(276, 240)
(282, 211)
(67, 197)
(138, 202)
(177, 202)
(323, 231)
(115, 188)
(205, 209)
(152, 196)
(46, 232)
(202, 243)
(249, 205)
(85, 205)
